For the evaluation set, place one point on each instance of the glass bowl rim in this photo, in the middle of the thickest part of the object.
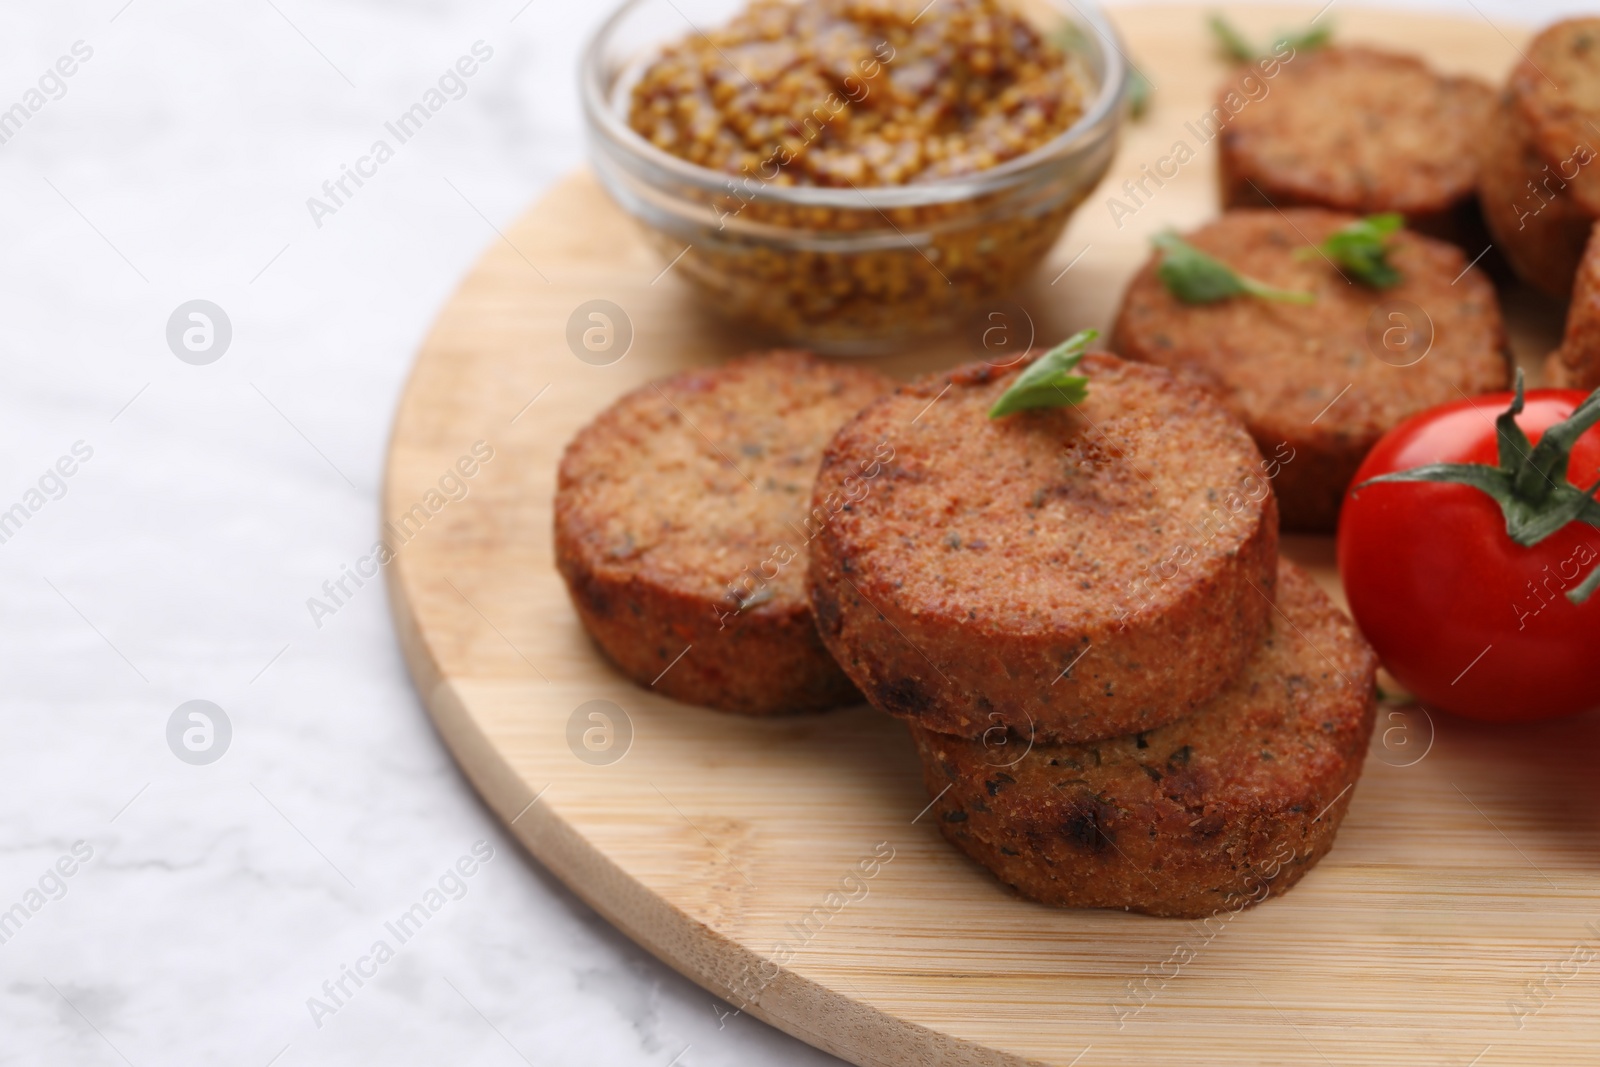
(607, 122)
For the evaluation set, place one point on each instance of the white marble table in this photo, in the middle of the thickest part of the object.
(211, 910)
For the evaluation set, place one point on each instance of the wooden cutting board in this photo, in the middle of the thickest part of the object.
(1455, 922)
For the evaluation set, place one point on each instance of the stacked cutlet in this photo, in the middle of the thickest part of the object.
(1121, 697)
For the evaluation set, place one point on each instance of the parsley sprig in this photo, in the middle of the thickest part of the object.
(1239, 49)
(1362, 249)
(1197, 278)
(1049, 382)
(1138, 94)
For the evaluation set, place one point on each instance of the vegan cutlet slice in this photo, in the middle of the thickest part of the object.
(1317, 384)
(1530, 212)
(1357, 130)
(1556, 89)
(681, 523)
(1209, 814)
(1576, 364)
(1077, 572)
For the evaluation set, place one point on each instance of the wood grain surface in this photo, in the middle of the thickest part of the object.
(1455, 922)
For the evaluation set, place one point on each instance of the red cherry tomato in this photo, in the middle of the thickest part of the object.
(1465, 618)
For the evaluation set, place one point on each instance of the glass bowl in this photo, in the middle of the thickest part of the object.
(847, 271)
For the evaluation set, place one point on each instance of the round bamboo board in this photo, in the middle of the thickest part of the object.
(1454, 922)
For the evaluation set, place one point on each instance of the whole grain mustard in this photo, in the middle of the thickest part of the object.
(863, 94)
(859, 92)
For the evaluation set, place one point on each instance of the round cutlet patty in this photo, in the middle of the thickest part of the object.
(1208, 814)
(1576, 364)
(1073, 572)
(680, 520)
(1317, 384)
(1556, 88)
(1356, 130)
(1528, 208)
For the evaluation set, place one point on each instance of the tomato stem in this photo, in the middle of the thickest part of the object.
(1530, 484)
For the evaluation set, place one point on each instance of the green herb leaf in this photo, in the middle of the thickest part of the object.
(1049, 382)
(1196, 278)
(1138, 94)
(1307, 40)
(1239, 49)
(1231, 41)
(1362, 248)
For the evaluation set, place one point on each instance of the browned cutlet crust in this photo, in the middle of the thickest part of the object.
(1358, 130)
(1528, 208)
(680, 520)
(1211, 813)
(1307, 379)
(1557, 90)
(1576, 364)
(1079, 572)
